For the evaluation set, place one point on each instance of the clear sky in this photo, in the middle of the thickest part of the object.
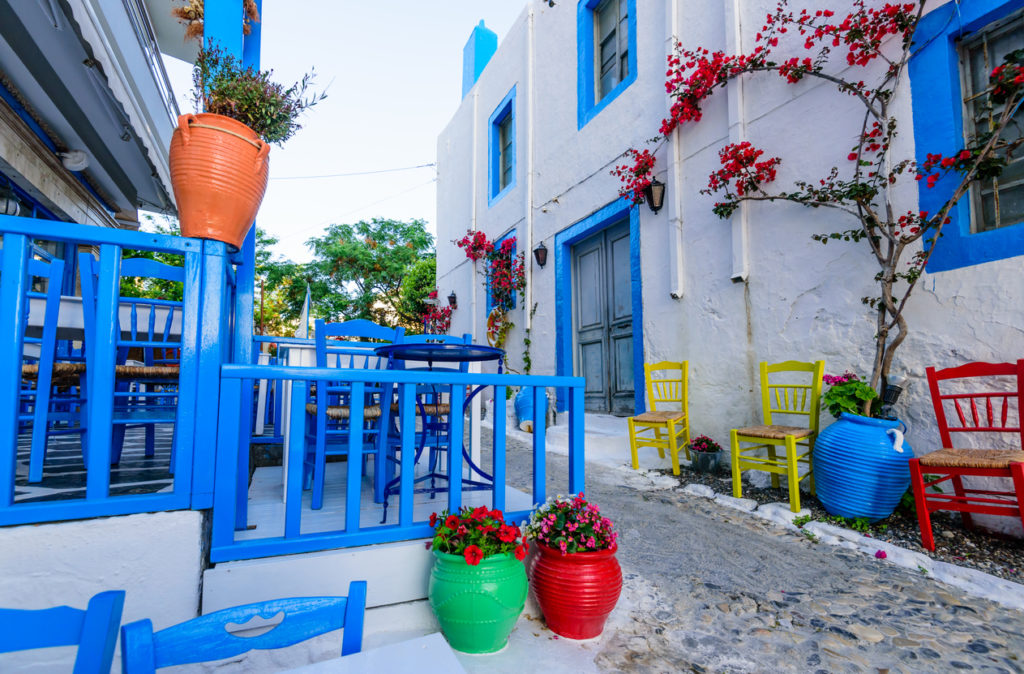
(393, 73)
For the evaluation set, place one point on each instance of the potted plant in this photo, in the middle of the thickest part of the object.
(861, 463)
(575, 578)
(218, 156)
(478, 583)
(705, 454)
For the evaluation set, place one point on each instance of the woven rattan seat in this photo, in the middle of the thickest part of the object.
(343, 411)
(147, 371)
(429, 409)
(659, 416)
(59, 370)
(973, 458)
(773, 432)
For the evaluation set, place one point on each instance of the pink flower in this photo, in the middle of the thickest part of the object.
(880, 554)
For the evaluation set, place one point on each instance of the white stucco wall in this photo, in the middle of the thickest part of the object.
(801, 300)
(156, 558)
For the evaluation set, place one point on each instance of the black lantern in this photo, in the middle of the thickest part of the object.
(655, 193)
(540, 254)
(453, 301)
(9, 202)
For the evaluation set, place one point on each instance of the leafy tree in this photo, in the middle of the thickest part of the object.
(417, 284)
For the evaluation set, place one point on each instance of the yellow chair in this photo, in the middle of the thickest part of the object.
(663, 428)
(781, 397)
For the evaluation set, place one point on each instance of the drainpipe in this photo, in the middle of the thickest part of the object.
(529, 165)
(675, 219)
(473, 217)
(737, 134)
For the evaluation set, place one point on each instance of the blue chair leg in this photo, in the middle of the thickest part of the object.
(319, 463)
(117, 443)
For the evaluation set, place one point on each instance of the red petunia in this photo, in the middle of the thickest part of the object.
(473, 555)
(497, 515)
(508, 534)
(452, 522)
(520, 552)
(479, 513)
(433, 519)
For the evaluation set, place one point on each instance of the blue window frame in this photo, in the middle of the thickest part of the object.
(606, 48)
(938, 97)
(501, 174)
(497, 244)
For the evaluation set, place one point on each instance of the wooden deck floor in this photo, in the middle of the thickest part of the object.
(266, 506)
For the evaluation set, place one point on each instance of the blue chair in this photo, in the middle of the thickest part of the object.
(53, 397)
(93, 630)
(146, 394)
(206, 638)
(327, 418)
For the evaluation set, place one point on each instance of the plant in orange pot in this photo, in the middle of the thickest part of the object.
(575, 579)
(219, 155)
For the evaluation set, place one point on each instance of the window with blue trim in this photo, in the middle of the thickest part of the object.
(606, 36)
(961, 44)
(505, 247)
(502, 144)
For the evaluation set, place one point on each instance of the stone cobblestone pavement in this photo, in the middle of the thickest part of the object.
(711, 589)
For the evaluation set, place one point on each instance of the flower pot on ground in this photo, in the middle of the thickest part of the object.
(219, 158)
(524, 408)
(478, 583)
(705, 454)
(861, 464)
(576, 578)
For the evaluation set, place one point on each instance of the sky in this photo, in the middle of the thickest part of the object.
(393, 74)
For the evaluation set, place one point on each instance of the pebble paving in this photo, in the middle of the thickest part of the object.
(712, 589)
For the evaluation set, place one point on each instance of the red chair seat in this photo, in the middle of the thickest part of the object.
(972, 458)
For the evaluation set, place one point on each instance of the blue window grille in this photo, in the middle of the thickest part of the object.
(606, 45)
(490, 297)
(501, 175)
(938, 99)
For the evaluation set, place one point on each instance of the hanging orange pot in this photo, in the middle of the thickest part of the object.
(219, 172)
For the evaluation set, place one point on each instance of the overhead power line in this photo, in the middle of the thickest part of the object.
(356, 173)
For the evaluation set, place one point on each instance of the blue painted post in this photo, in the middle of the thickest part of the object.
(222, 25)
(354, 478)
(540, 410)
(188, 378)
(407, 433)
(296, 458)
(12, 308)
(225, 495)
(101, 393)
(455, 448)
(576, 441)
(211, 357)
(498, 446)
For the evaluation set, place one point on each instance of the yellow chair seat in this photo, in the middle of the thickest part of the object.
(656, 417)
(774, 432)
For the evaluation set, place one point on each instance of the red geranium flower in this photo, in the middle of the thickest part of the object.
(479, 513)
(473, 555)
(433, 519)
(520, 552)
(497, 515)
(507, 534)
(452, 522)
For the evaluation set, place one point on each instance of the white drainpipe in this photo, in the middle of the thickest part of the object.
(529, 167)
(737, 134)
(675, 182)
(473, 222)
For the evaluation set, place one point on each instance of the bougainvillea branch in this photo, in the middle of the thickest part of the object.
(877, 42)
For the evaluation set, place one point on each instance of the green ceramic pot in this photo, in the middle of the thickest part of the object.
(477, 606)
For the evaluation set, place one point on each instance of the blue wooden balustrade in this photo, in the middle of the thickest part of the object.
(229, 512)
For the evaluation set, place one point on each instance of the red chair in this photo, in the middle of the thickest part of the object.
(997, 409)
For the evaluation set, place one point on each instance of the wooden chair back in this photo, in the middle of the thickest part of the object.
(206, 638)
(782, 395)
(994, 409)
(93, 630)
(667, 384)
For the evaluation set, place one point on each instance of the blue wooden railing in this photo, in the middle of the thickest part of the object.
(230, 507)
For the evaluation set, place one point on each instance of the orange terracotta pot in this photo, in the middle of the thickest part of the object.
(219, 172)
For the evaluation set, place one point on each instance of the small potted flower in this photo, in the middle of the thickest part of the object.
(478, 583)
(705, 454)
(861, 463)
(575, 578)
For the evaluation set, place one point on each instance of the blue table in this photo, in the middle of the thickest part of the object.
(442, 353)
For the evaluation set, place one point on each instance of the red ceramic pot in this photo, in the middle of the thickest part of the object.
(576, 592)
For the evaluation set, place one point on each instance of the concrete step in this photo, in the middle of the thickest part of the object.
(606, 441)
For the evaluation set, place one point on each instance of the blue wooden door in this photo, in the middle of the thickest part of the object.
(603, 317)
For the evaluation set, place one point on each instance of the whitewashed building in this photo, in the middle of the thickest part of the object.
(624, 285)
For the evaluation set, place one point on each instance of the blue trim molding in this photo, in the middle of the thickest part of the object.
(588, 106)
(612, 214)
(505, 109)
(938, 128)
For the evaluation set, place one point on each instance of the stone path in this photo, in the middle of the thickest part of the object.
(712, 589)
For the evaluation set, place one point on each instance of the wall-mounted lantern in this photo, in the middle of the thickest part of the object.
(453, 300)
(655, 193)
(540, 254)
(9, 202)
